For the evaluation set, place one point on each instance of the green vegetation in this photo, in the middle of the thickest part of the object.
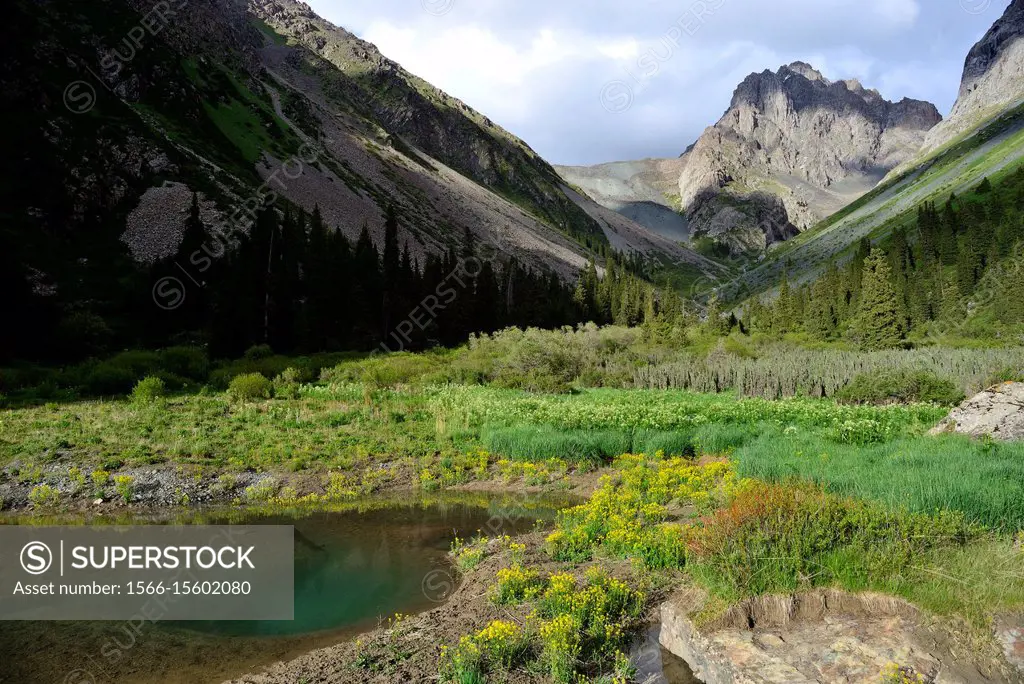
(983, 480)
(740, 496)
(250, 387)
(951, 273)
(886, 387)
(149, 390)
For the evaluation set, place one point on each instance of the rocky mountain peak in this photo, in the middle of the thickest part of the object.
(1006, 31)
(993, 78)
(803, 69)
(793, 137)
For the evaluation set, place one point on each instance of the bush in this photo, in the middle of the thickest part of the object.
(44, 496)
(262, 491)
(386, 370)
(250, 387)
(287, 384)
(110, 378)
(889, 387)
(258, 352)
(775, 537)
(124, 485)
(100, 478)
(186, 362)
(149, 390)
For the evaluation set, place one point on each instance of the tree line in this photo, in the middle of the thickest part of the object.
(920, 274)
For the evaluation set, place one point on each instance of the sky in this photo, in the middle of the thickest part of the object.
(591, 81)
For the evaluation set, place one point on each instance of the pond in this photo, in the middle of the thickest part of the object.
(352, 569)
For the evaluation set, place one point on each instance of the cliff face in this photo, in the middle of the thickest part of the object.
(993, 79)
(793, 138)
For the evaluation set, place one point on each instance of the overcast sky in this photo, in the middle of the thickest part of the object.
(588, 81)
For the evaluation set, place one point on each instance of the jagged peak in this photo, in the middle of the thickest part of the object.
(805, 70)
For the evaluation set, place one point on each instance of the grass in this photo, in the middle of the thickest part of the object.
(786, 494)
(453, 434)
(984, 480)
(212, 430)
(541, 442)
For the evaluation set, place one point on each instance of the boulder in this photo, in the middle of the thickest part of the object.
(997, 412)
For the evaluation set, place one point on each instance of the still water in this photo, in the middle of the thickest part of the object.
(352, 569)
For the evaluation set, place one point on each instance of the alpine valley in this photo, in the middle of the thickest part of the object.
(751, 413)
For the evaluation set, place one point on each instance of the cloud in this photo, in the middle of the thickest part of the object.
(539, 68)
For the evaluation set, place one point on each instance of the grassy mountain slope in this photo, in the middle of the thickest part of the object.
(991, 151)
(120, 111)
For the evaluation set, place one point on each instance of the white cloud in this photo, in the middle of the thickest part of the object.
(538, 67)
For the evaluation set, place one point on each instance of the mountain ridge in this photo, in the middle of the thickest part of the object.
(796, 139)
(992, 81)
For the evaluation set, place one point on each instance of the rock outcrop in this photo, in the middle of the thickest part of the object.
(993, 79)
(812, 144)
(826, 636)
(997, 412)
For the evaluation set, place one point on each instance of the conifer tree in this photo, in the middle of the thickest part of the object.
(877, 324)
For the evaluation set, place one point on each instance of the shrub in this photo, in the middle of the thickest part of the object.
(627, 519)
(149, 390)
(775, 537)
(887, 387)
(250, 387)
(258, 352)
(287, 384)
(186, 362)
(463, 664)
(386, 370)
(77, 478)
(261, 492)
(1006, 375)
(44, 496)
(515, 585)
(110, 378)
(124, 485)
(468, 556)
(502, 643)
(100, 478)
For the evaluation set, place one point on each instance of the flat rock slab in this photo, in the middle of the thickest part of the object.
(997, 412)
(824, 636)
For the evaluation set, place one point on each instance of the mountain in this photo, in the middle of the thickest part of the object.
(793, 148)
(120, 112)
(993, 79)
(644, 191)
(982, 143)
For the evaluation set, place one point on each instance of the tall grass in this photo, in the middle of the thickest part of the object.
(541, 442)
(984, 480)
(786, 372)
(608, 409)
